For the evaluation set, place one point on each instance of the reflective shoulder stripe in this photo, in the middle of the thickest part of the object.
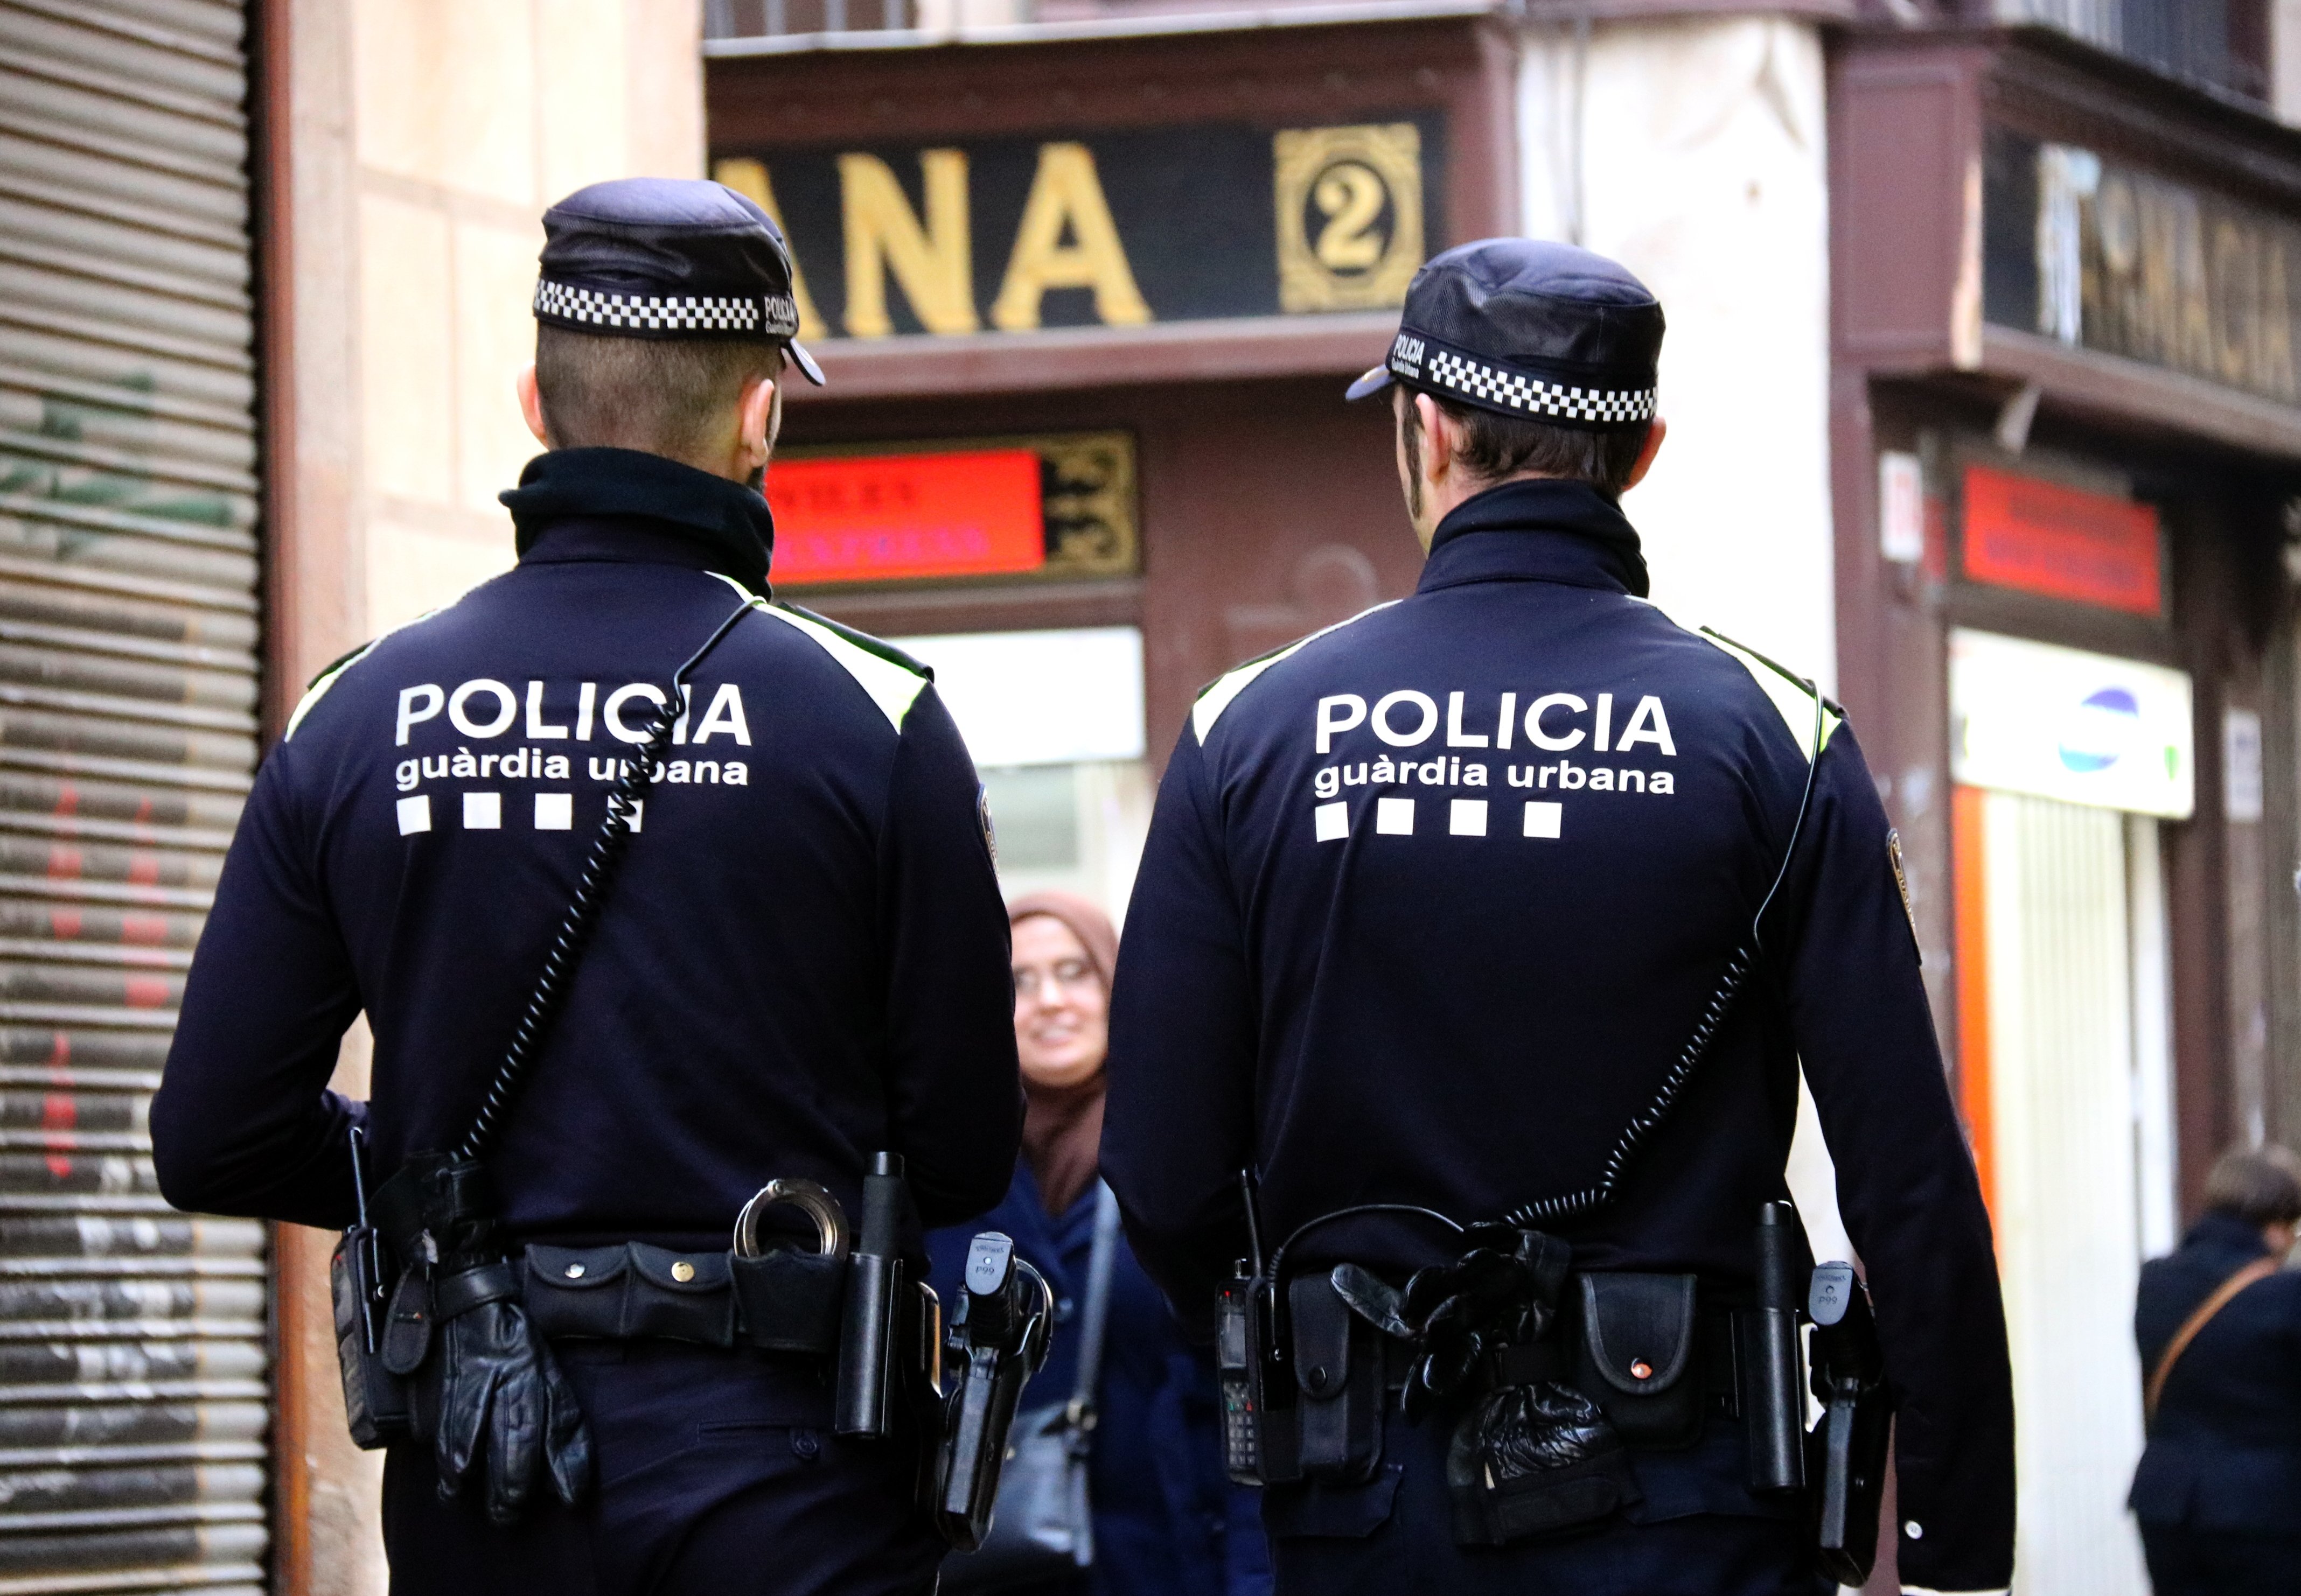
(327, 679)
(1218, 696)
(892, 678)
(1790, 694)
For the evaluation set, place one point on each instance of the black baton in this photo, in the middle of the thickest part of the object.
(1773, 1392)
(866, 1336)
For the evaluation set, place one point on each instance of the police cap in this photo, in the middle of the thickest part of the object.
(669, 258)
(1543, 332)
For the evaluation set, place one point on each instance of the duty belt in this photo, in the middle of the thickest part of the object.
(785, 1300)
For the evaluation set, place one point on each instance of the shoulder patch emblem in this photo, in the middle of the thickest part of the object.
(983, 814)
(1902, 883)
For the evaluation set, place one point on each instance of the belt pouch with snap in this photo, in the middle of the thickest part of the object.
(789, 1299)
(624, 1293)
(680, 1296)
(1338, 1371)
(1639, 1356)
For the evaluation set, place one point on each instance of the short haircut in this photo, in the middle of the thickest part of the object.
(661, 396)
(2261, 1185)
(1496, 447)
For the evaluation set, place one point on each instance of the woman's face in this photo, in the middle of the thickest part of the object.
(1062, 1014)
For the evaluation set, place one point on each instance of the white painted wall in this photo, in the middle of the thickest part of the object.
(1691, 151)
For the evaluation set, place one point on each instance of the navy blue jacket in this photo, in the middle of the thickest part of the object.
(803, 959)
(1431, 904)
(1166, 1521)
(2224, 1451)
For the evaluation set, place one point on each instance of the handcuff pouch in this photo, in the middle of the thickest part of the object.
(1638, 1355)
(790, 1299)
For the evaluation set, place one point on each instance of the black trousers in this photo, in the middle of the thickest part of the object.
(2197, 1562)
(717, 1472)
(1397, 1540)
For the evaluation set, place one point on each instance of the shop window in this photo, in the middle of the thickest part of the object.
(1054, 720)
(1036, 810)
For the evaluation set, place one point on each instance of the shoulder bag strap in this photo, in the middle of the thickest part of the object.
(1096, 1318)
(2259, 1269)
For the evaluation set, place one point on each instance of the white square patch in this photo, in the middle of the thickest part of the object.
(1394, 817)
(1542, 819)
(483, 811)
(555, 811)
(1333, 821)
(638, 814)
(1468, 818)
(415, 815)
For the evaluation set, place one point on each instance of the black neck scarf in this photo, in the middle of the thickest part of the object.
(728, 522)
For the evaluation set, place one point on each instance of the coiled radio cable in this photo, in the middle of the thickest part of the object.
(583, 911)
(1744, 959)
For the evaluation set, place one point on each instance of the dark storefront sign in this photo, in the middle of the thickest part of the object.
(2061, 542)
(1108, 229)
(2108, 256)
(1059, 506)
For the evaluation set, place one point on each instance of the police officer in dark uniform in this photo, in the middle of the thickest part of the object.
(797, 964)
(1486, 934)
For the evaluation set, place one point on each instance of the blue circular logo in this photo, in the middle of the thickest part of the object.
(2100, 731)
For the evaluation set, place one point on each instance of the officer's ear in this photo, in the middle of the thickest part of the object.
(531, 405)
(1441, 437)
(758, 419)
(1646, 452)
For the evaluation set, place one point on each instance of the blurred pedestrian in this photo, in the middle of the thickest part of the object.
(1166, 1520)
(2219, 1323)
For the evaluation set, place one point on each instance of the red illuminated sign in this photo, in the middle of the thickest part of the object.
(878, 517)
(2062, 542)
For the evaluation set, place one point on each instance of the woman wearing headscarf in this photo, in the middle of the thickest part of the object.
(1166, 1519)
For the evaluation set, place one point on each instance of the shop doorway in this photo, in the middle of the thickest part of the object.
(2065, 1081)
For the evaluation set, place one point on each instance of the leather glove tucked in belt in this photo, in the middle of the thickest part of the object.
(502, 1397)
(499, 1404)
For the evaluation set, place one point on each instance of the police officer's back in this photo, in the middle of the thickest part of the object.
(1440, 909)
(799, 964)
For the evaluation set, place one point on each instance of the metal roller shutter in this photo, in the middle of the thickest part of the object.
(133, 1390)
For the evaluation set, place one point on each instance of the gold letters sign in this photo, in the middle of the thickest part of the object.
(1113, 229)
(2114, 258)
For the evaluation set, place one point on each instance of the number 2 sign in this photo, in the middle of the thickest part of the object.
(1349, 216)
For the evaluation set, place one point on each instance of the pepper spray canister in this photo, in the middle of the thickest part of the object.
(867, 1334)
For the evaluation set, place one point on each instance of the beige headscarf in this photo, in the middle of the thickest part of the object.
(1062, 1127)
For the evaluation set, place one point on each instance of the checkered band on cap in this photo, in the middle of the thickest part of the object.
(1432, 364)
(697, 314)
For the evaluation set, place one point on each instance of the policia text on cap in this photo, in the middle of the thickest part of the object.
(1470, 967)
(673, 914)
